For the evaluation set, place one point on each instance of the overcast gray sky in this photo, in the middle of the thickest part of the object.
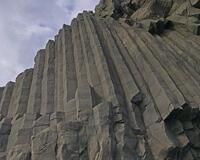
(25, 27)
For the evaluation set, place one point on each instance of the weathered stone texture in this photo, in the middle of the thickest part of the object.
(122, 83)
(20, 96)
(1, 92)
(6, 99)
(35, 98)
(153, 15)
(48, 81)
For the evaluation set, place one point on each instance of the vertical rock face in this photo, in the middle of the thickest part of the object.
(153, 15)
(48, 81)
(6, 94)
(20, 96)
(122, 83)
(35, 98)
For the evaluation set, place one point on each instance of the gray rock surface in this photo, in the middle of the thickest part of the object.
(122, 83)
(6, 99)
(35, 97)
(146, 12)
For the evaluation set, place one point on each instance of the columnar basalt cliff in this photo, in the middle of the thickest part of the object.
(122, 83)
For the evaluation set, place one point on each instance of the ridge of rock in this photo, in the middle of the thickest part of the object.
(154, 15)
(122, 83)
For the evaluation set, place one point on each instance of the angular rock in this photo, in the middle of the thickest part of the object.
(44, 145)
(35, 98)
(1, 91)
(48, 81)
(122, 83)
(6, 98)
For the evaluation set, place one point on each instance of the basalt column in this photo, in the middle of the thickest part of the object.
(6, 98)
(69, 74)
(1, 91)
(35, 98)
(48, 81)
(122, 83)
(20, 96)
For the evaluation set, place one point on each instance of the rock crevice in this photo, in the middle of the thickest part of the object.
(122, 83)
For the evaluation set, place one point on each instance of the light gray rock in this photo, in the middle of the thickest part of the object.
(5, 128)
(103, 123)
(41, 123)
(6, 98)
(134, 12)
(35, 98)
(44, 145)
(48, 81)
(83, 93)
(22, 103)
(55, 118)
(20, 152)
(20, 96)
(122, 83)
(69, 71)
(72, 141)
(59, 66)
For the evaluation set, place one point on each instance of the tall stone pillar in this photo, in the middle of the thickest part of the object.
(6, 98)
(48, 81)
(83, 93)
(34, 103)
(20, 97)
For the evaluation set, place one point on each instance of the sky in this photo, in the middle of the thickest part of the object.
(26, 26)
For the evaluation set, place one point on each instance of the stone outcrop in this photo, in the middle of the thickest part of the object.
(153, 15)
(122, 83)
